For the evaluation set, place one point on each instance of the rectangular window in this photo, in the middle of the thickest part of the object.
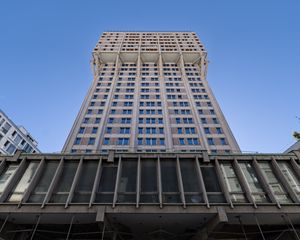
(127, 184)
(210, 141)
(149, 192)
(278, 189)
(206, 130)
(39, 192)
(169, 181)
(81, 130)
(94, 130)
(105, 190)
(6, 176)
(123, 141)
(83, 189)
(106, 141)
(252, 180)
(91, 141)
(77, 141)
(232, 182)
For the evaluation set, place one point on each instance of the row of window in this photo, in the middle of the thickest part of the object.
(188, 181)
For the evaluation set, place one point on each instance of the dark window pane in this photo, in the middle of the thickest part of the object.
(62, 188)
(40, 190)
(210, 179)
(105, 191)
(85, 184)
(128, 181)
(148, 176)
(169, 181)
(189, 175)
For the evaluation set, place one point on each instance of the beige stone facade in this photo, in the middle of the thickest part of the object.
(150, 94)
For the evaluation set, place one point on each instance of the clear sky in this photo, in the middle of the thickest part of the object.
(253, 48)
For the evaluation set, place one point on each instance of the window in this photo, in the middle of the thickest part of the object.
(278, 189)
(124, 130)
(111, 120)
(181, 141)
(210, 141)
(251, 177)
(105, 141)
(84, 187)
(219, 130)
(207, 130)
(108, 130)
(61, 189)
(232, 182)
(91, 141)
(140, 141)
(77, 141)
(190, 130)
(127, 111)
(97, 120)
(123, 141)
(223, 141)
(215, 121)
(150, 141)
(126, 120)
(161, 130)
(203, 121)
(94, 130)
(86, 120)
(179, 131)
(213, 189)
(39, 192)
(161, 141)
(177, 120)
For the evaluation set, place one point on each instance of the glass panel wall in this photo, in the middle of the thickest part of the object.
(290, 176)
(213, 189)
(127, 184)
(61, 190)
(18, 192)
(279, 192)
(6, 176)
(39, 192)
(234, 187)
(149, 192)
(83, 190)
(106, 187)
(257, 191)
(191, 185)
(170, 191)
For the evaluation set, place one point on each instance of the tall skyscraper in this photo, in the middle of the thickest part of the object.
(150, 93)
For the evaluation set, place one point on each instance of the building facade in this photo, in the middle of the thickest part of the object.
(150, 94)
(13, 137)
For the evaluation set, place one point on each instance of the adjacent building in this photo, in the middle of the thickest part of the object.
(150, 94)
(13, 137)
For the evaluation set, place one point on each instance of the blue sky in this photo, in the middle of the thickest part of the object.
(253, 48)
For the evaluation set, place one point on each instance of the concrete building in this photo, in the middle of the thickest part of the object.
(150, 94)
(13, 137)
(150, 157)
(294, 147)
